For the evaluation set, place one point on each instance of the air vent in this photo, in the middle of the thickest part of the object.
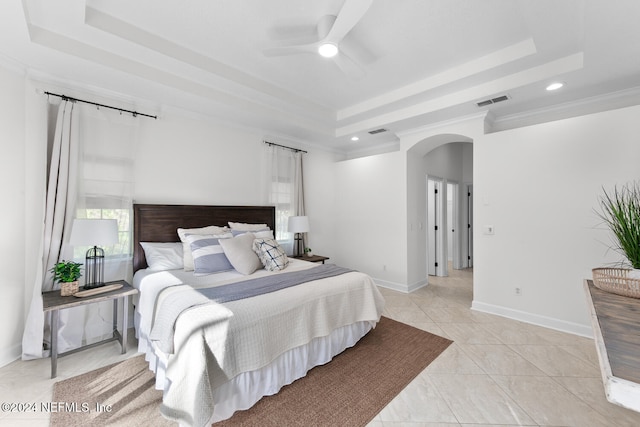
(492, 101)
(373, 132)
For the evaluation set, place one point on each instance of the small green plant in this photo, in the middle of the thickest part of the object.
(307, 250)
(620, 211)
(66, 271)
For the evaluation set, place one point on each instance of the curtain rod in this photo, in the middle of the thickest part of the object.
(297, 150)
(69, 98)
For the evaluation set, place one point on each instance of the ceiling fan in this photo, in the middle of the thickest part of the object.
(331, 30)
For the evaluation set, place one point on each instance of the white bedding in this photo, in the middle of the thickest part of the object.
(256, 345)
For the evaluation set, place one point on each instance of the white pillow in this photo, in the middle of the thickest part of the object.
(271, 254)
(257, 234)
(163, 256)
(239, 251)
(241, 226)
(208, 256)
(186, 248)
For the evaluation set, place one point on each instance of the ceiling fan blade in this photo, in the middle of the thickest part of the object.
(294, 32)
(350, 14)
(357, 51)
(349, 66)
(290, 50)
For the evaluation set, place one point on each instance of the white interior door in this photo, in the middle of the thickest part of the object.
(453, 234)
(435, 258)
(469, 203)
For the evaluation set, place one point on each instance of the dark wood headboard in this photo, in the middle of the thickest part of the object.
(159, 223)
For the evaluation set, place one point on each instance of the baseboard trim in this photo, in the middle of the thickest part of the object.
(417, 285)
(534, 319)
(392, 285)
(400, 287)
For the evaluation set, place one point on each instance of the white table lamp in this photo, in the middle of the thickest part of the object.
(297, 225)
(94, 232)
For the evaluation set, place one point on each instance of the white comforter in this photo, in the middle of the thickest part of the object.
(215, 343)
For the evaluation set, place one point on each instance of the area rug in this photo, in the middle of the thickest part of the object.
(349, 391)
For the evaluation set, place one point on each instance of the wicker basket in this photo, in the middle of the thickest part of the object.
(616, 281)
(68, 288)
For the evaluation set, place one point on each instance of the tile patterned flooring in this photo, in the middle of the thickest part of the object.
(498, 372)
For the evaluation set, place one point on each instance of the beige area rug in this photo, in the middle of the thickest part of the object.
(348, 391)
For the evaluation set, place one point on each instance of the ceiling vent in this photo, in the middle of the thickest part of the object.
(492, 101)
(373, 132)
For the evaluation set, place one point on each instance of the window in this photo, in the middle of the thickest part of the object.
(124, 248)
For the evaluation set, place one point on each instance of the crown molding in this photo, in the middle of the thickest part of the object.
(589, 105)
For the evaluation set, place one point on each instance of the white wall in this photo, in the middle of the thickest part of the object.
(538, 187)
(370, 230)
(189, 161)
(320, 194)
(448, 161)
(12, 219)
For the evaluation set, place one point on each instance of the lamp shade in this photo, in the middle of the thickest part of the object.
(298, 224)
(94, 232)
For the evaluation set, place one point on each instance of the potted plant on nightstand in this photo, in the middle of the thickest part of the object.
(620, 211)
(307, 252)
(67, 274)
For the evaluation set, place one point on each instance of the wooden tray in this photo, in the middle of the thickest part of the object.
(96, 291)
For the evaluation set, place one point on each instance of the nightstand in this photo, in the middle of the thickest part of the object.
(312, 258)
(54, 302)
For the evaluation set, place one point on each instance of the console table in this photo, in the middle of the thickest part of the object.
(616, 323)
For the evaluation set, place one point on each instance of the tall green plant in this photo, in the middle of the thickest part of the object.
(620, 211)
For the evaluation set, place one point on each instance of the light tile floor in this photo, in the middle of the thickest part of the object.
(498, 372)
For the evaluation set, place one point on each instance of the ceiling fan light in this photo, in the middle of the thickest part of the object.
(355, 138)
(328, 50)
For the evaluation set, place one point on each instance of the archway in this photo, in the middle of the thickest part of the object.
(449, 148)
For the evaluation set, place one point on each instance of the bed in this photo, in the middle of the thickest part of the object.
(216, 357)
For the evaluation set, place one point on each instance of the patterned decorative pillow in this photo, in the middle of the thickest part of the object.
(208, 255)
(271, 254)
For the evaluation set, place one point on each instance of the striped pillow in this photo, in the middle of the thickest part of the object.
(186, 249)
(262, 232)
(271, 254)
(208, 256)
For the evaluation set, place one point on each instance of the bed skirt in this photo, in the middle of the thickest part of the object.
(246, 389)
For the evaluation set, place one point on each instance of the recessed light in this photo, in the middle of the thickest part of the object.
(355, 138)
(328, 50)
(555, 86)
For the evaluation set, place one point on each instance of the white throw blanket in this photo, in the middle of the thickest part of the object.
(214, 342)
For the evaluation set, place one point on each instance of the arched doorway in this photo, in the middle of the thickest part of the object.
(446, 159)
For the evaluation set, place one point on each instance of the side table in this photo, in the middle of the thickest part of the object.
(54, 302)
(312, 258)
